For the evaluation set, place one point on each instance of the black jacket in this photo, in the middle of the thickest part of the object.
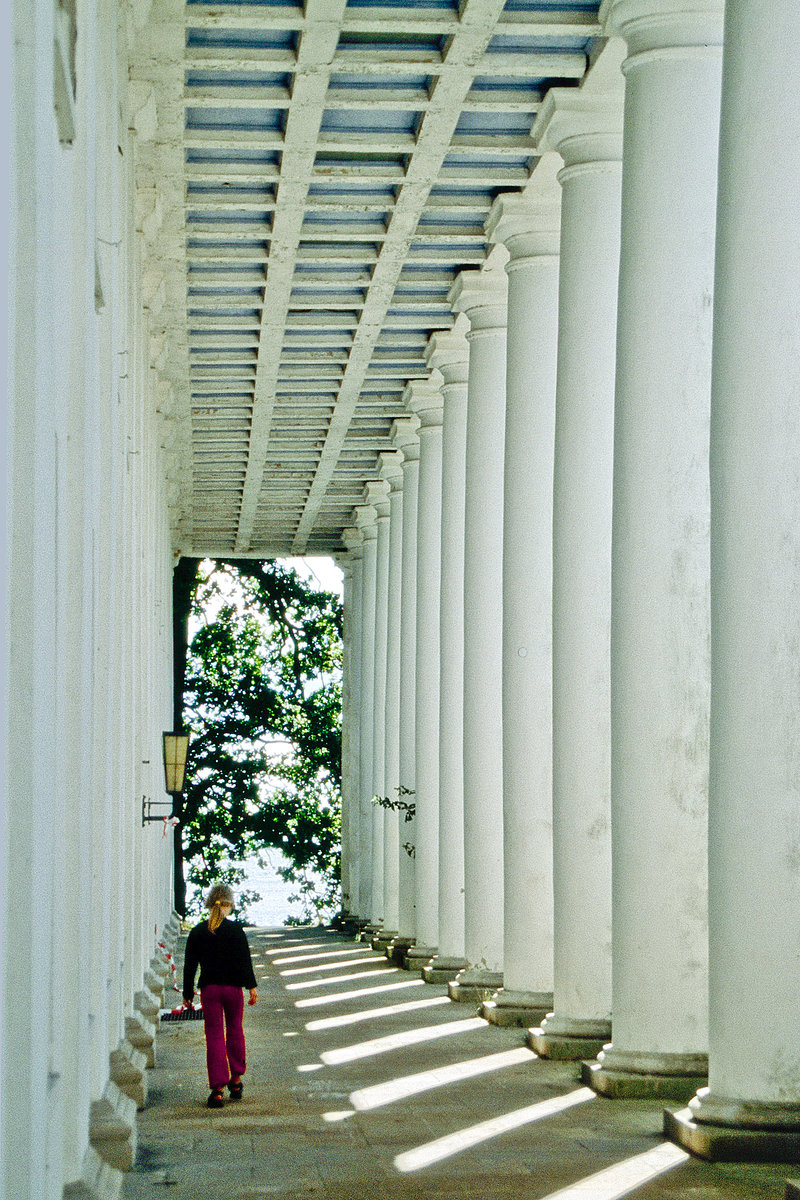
(223, 957)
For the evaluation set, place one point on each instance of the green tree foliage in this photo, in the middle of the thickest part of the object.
(262, 699)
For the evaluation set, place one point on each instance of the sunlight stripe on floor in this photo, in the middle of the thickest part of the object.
(475, 1135)
(357, 993)
(309, 983)
(294, 947)
(621, 1179)
(412, 1085)
(396, 1041)
(332, 966)
(295, 958)
(368, 1014)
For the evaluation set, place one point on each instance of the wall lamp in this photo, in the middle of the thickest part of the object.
(175, 747)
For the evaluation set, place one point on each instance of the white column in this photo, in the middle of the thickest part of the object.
(754, 1050)
(585, 126)
(347, 747)
(449, 354)
(660, 556)
(529, 228)
(392, 472)
(351, 719)
(377, 492)
(482, 296)
(405, 438)
(425, 400)
(366, 520)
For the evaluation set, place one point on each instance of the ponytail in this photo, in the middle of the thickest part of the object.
(220, 894)
(215, 919)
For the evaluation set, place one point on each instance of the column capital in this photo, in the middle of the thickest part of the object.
(376, 493)
(528, 226)
(424, 397)
(353, 540)
(664, 25)
(483, 296)
(390, 469)
(448, 353)
(405, 436)
(584, 125)
(366, 519)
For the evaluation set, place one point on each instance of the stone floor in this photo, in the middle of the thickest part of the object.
(365, 1082)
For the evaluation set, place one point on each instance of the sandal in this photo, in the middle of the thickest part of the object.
(236, 1090)
(216, 1099)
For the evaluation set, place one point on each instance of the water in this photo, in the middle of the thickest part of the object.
(274, 906)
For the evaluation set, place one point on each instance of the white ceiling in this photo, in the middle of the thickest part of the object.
(312, 181)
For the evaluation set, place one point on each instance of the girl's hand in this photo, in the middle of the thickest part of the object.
(253, 996)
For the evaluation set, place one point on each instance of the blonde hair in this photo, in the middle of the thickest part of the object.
(220, 894)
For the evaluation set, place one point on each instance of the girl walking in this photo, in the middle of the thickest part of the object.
(220, 948)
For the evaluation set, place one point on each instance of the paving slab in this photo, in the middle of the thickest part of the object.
(365, 1087)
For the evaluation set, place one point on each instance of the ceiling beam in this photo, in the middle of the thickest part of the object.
(315, 53)
(478, 20)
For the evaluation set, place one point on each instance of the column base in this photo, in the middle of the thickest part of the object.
(159, 965)
(173, 929)
(112, 1128)
(792, 1189)
(397, 950)
(623, 1074)
(569, 1038)
(98, 1180)
(141, 1034)
(723, 1129)
(516, 1008)
(127, 1067)
(156, 985)
(169, 935)
(368, 932)
(351, 929)
(381, 940)
(148, 1003)
(344, 922)
(442, 969)
(158, 977)
(418, 957)
(474, 984)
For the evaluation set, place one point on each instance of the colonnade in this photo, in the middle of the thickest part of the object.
(592, 646)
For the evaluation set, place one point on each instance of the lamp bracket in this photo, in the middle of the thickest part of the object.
(147, 813)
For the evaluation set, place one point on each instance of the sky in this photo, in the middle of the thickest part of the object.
(323, 570)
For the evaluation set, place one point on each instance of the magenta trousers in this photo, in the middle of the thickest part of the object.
(223, 1008)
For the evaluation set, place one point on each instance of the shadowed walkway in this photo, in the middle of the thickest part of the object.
(365, 1082)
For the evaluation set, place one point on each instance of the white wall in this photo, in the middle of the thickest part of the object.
(87, 594)
(6, 45)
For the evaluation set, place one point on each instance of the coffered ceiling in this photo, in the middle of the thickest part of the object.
(311, 179)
